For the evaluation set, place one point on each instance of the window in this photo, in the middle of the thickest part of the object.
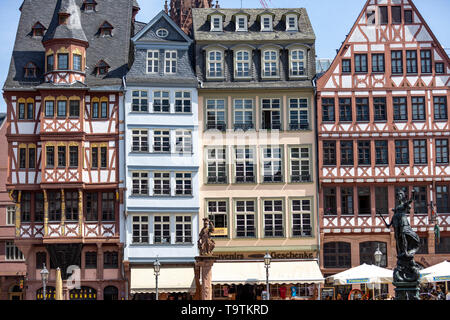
(397, 62)
(301, 218)
(102, 67)
(411, 61)
(183, 183)
(161, 184)
(162, 33)
(243, 114)
(170, 62)
(367, 249)
(242, 64)
(408, 16)
(443, 198)
(364, 153)
(329, 153)
(426, 63)
(140, 183)
(421, 202)
(273, 164)
(39, 207)
(400, 109)
(216, 23)
(10, 215)
(345, 109)
(270, 63)
(383, 15)
(381, 152)
(245, 218)
(381, 200)
(443, 246)
(440, 108)
(291, 23)
(161, 141)
(379, 105)
(440, 67)
(74, 108)
(241, 23)
(297, 63)
(140, 140)
(50, 156)
(370, 16)
(71, 201)
(347, 201)
(360, 62)
(183, 103)
(12, 253)
(266, 23)
(54, 205)
(418, 108)
(30, 111)
(328, 110)
(442, 151)
(378, 62)
(396, 14)
(111, 260)
(62, 156)
(215, 115)
(329, 201)
(41, 259)
(63, 61)
(215, 64)
(298, 114)
(161, 101)
(364, 205)
(346, 66)
(216, 165)
(152, 61)
(183, 229)
(49, 109)
(337, 255)
(273, 218)
(90, 261)
(183, 142)
(245, 165)
(401, 152)
(140, 101)
(300, 164)
(140, 229)
(95, 110)
(23, 158)
(106, 29)
(62, 109)
(22, 111)
(423, 249)
(77, 62)
(362, 110)
(218, 214)
(347, 158)
(108, 210)
(30, 70)
(50, 63)
(420, 152)
(73, 156)
(94, 157)
(91, 206)
(25, 207)
(271, 114)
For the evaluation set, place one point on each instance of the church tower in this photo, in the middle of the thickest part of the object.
(181, 11)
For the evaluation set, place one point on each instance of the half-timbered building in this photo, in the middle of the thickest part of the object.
(383, 126)
(63, 93)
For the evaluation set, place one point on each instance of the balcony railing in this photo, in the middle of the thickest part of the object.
(301, 178)
(217, 180)
(216, 126)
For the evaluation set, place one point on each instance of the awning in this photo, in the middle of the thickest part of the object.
(255, 272)
(171, 279)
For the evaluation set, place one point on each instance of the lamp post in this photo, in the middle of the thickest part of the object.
(377, 255)
(44, 277)
(156, 268)
(267, 260)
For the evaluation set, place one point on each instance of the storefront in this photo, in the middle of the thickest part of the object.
(246, 280)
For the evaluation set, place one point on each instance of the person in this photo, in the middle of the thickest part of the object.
(339, 297)
(447, 296)
(440, 294)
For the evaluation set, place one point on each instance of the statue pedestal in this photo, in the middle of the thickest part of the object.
(205, 264)
(406, 290)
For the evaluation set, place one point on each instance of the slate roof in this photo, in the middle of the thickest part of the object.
(201, 26)
(114, 50)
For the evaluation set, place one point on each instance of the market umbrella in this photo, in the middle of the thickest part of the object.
(438, 273)
(59, 289)
(364, 273)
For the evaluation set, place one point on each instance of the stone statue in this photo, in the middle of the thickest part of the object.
(407, 242)
(205, 243)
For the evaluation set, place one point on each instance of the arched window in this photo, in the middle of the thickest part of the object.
(242, 64)
(85, 293)
(367, 250)
(215, 64)
(337, 255)
(297, 62)
(269, 63)
(50, 293)
(111, 293)
(30, 70)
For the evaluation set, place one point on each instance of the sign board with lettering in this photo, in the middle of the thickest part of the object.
(327, 294)
(277, 255)
(220, 232)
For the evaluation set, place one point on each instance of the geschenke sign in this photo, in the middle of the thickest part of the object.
(259, 256)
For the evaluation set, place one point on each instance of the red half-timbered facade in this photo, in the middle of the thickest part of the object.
(64, 129)
(383, 126)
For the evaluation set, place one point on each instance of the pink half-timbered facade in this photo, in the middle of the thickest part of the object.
(383, 126)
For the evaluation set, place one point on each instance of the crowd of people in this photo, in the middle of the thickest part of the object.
(431, 292)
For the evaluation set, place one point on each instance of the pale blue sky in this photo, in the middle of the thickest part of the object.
(331, 19)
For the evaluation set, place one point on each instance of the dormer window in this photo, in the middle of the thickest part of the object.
(106, 29)
(216, 23)
(270, 63)
(241, 23)
(297, 62)
(215, 64)
(30, 70)
(291, 22)
(63, 18)
(38, 30)
(266, 23)
(89, 5)
(102, 68)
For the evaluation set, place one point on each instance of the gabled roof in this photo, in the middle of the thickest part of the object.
(161, 15)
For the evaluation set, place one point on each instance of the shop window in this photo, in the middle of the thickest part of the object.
(84, 293)
(111, 293)
(337, 255)
(367, 250)
(50, 293)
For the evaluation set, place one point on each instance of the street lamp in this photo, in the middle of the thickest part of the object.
(44, 277)
(267, 260)
(377, 255)
(156, 268)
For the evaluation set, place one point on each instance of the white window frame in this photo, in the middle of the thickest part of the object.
(140, 135)
(218, 163)
(141, 228)
(272, 63)
(214, 107)
(142, 178)
(215, 28)
(245, 212)
(273, 212)
(301, 162)
(273, 160)
(288, 25)
(219, 212)
(185, 99)
(245, 107)
(158, 136)
(238, 27)
(186, 228)
(12, 252)
(163, 223)
(304, 215)
(263, 27)
(163, 176)
(142, 95)
(246, 157)
(183, 142)
(170, 61)
(163, 96)
(300, 106)
(186, 180)
(239, 59)
(216, 62)
(152, 61)
(295, 63)
(10, 215)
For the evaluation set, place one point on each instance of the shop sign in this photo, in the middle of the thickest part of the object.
(283, 255)
(354, 281)
(220, 232)
(439, 279)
